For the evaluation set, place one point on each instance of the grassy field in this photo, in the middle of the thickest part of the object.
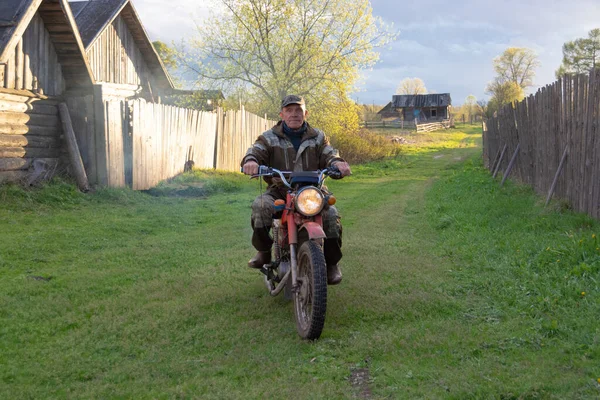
(462, 136)
(453, 288)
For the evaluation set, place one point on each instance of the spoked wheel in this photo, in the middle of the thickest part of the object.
(310, 300)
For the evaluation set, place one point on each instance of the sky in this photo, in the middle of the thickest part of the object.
(449, 45)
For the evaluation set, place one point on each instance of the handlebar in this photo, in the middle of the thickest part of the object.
(263, 170)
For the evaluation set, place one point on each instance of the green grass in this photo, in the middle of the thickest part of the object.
(464, 135)
(453, 288)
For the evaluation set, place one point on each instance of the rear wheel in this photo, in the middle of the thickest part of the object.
(310, 300)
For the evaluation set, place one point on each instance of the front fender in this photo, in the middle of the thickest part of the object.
(314, 230)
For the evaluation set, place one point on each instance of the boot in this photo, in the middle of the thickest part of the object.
(261, 258)
(334, 274)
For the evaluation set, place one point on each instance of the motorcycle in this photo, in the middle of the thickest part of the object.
(298, 265)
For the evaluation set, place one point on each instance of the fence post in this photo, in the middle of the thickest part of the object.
(558, 170)
(493, 166)
(499, 162)
(510, 164)
(220, 122)
(74, 155)
(101, 156)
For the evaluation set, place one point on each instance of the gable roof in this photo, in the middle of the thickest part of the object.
(422, 100)
(15, 16)
(387, 108)
(94, 16)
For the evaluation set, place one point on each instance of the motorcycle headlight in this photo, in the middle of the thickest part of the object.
(309, 201)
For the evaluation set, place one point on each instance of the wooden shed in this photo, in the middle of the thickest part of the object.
(42, 63)
(420, 107)
(122, 58)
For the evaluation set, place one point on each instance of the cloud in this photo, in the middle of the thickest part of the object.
(450, 22)
(450, 48)
(171, 20)
(411, 46)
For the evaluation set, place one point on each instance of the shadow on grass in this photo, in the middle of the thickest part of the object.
(198, 183)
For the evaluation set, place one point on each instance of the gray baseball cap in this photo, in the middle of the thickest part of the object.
(293, 99)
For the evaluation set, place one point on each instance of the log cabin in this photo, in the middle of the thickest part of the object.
(82, 54)
(420, 107)
(42, 63)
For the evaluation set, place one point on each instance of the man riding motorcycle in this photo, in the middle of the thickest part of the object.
(293, 145)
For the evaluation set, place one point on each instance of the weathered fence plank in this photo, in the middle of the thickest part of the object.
(74, 154)
(561, 118)
(164, 139)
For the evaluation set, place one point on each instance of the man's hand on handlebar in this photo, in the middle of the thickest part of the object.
(343, 167)
(250, 168)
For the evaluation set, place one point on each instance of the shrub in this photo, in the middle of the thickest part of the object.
(362, 146)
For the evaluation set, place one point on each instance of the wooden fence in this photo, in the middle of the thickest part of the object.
(433, 126)
(551, 141)
(143, 143)
(424, 126)
(390, 124)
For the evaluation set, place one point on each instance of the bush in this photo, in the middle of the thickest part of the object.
(340, 121)
(362, 146)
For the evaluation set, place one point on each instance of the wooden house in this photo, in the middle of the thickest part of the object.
(419, 108)
(122, 58)
(388, 112)
(42, 63)
(92, 93)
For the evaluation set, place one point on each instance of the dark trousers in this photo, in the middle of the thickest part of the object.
(262, 219)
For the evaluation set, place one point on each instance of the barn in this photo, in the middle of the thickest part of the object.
(82, 54)
(87, 99)
(419, 108)
(42, 63)
(121, 56)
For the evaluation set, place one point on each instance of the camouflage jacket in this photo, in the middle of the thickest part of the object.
(274, 149)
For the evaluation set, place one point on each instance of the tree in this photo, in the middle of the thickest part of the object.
(503, 93)
(469, 105)
(412, 86)
(515, 70)
(271, 48)
(166, 54)
(580, 55)
(482, 109)
(516, 64)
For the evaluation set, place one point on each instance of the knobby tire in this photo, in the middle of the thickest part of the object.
(310, 303)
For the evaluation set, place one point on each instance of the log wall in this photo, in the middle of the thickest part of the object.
(29, 130)
(33, 65)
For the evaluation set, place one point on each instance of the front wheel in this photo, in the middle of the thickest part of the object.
(310, 299)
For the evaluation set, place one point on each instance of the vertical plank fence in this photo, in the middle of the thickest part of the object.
(557, 133)
(149, 142)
